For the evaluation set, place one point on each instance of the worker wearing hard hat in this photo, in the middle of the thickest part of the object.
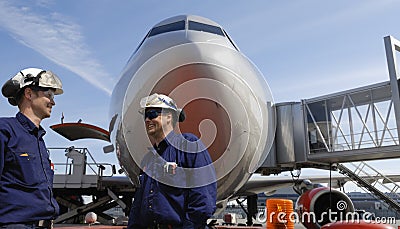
(172, 199)
(26, 176)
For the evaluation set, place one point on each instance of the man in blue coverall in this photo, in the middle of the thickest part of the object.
(26, 176)
(178, 185)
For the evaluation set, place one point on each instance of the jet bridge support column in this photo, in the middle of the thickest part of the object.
(392, 45)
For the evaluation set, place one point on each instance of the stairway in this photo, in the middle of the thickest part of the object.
(362, 175)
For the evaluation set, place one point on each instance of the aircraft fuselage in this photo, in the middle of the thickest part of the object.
(226, 99)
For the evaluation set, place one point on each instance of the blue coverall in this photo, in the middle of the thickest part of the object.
(179, 207)
(26, 177)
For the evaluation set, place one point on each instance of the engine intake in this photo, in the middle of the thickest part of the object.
(320, 206)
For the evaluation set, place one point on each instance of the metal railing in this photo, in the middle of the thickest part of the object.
(371, 180)
(356, 119)
(92, 167)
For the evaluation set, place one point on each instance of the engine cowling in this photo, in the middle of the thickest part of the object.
(319, 206)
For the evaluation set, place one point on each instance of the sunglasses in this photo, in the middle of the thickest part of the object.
(49, 94)
(152, 114)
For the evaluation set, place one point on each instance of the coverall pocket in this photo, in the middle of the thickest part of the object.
(27, 169)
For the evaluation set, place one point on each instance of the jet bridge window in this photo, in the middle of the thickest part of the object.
(205, 28)
(175, 26)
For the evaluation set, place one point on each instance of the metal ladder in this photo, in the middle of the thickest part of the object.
(362, 175)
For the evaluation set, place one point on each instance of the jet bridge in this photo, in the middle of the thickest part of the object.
(354, 125)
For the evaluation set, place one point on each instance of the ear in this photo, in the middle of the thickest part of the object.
(28, 93)
(169, 117)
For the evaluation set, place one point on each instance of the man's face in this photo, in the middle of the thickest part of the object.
(156, 121)
(42, 103)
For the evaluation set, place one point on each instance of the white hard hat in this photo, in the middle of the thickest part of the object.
(161, 101)
(31, 76)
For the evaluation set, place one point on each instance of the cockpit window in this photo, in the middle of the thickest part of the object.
(205, 28)
(175, 26)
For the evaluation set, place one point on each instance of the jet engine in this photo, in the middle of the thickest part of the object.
(319, 206)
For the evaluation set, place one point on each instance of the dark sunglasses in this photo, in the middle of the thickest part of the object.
(152, 114)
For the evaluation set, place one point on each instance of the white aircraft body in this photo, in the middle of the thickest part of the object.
(226, 99)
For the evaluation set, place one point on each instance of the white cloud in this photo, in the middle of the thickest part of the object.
(56, 38)
(44, 3)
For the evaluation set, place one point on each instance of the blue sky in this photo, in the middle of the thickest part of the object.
(304, 48)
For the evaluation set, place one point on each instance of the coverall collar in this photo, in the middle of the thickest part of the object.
(29, 125)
